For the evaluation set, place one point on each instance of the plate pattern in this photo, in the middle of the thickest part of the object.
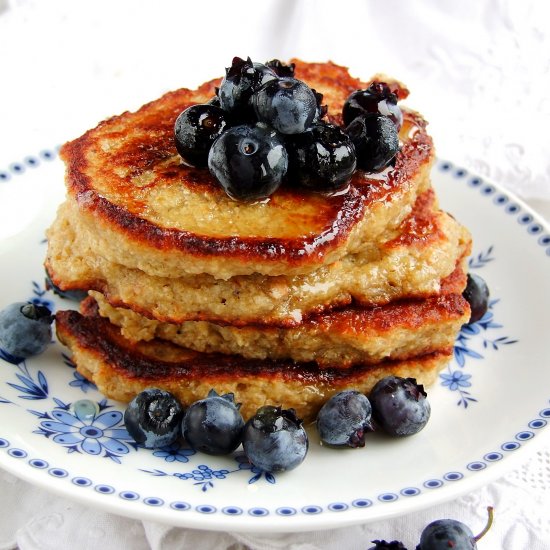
(95, 427)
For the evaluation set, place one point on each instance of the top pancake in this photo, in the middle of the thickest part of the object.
(151, 212)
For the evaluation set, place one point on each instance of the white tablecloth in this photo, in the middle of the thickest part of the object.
(478, 70)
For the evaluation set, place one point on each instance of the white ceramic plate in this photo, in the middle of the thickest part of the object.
(488, 407)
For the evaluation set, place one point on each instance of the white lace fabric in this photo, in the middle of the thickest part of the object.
(479, 71)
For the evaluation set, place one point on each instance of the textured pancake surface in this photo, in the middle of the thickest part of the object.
(399, 330)
(121, 369)
(410, 261)
(149, 211)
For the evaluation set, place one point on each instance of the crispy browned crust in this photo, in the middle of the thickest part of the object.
(151, 146)
(399, 330)
(121, 369)
(403, 314)
(422, 229)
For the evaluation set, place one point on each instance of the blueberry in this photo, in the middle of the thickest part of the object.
(213, 425)
(215, 101)
(281, 69)
(75, 295)
(375, 139)
(249, 162)
(447, 533)
(450, 533)
(153, 418)
(383, 545)
(476, 294)
(287, 104)
(274, 439)
(25, 329)
(323, 158)
(196, 129)
(399, 405)
(377, 98)
(243, 79)
(344, 419)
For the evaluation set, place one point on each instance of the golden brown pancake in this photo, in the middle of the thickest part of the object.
(410, 261)
(122, 369)
(338, 339)
(149, 211)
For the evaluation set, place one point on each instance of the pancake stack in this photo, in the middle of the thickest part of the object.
(284, 301)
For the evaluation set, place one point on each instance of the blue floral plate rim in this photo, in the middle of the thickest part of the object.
(45, 455)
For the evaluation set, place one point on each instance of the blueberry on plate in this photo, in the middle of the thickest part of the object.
(399, 405)
(274, 439)
(248, 161)
(196, 129)
(213, 425)
(344, 419)
(377, 98)
(476, 294)
(25, 329)
(243, 79)
(322, 159)
(375, 139)
(153, 418)
(287, 104)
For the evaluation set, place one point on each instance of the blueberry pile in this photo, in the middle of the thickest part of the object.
(265, 127)
(273, 439)
(25, 329)
(395, 405)
(442, 534)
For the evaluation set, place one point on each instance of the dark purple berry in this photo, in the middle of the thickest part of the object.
(323, 158)
(377, 98)
(195, 131)
(476, 294)
(445, 534)
(287, 104)
(344, 419)
(25, 329)
(449, 533)
(320, 110)
(249, 162)
(281, 69)
(399, 405)
(274, 439)
(213, 425)
(375, 139)
(383, 545)
(153, 418)
(215, 101)
(243, 79)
